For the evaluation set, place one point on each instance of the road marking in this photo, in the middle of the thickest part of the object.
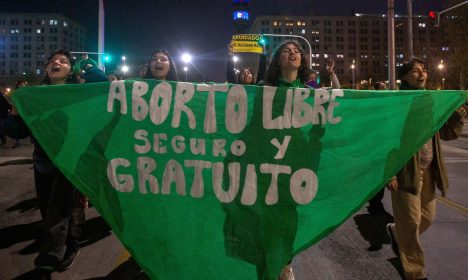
(452, 204)
(124, 256)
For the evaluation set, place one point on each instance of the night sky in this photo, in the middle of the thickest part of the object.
(203, 28)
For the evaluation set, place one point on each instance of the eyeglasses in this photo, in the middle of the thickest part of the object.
(291, 50)
(160, 58)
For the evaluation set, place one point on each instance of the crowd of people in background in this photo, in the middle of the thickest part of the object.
(413, 188)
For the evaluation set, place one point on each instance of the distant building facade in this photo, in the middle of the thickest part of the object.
(360, 40)
(27, 39)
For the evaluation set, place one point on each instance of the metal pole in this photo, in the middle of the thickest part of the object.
(101, 34)
(409, 39)
(391, 44)
(295, 36)
(446, 10)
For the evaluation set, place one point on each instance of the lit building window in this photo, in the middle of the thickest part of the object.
(38, 31)
(65, 23)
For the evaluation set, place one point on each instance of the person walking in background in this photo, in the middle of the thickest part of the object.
(5, 108)
(246, 75)
(413, 188)
(19, 84)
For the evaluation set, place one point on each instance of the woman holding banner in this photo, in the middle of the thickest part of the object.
(263, 232)
(161, 67)
(413, 188)
(61, 204)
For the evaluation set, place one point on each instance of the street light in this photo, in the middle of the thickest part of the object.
(235, 58)
(125, 69)
(185, 70)
(352, 70)
(186, 58)
(441, 67)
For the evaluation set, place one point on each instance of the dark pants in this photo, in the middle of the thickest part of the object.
(376, 201)
(60, 209)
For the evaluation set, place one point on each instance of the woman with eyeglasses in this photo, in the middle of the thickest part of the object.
(161, 67)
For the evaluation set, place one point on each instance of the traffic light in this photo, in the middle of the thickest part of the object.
(432, 15)
(262, 41)
(107, 58)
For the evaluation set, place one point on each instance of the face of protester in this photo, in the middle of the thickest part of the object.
(290, 57)
(58, 68)
(417, 76)
(246, 77)
(142, 71)
(312, 77)
(381, 86)
(111, 78)
(22, 84)
(160, 65)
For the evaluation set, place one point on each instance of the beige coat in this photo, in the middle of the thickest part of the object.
(409, 175)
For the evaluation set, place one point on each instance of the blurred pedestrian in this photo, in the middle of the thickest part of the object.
(113, 77)
(246, 75)
(413, 188)
(142, 70)
(313, 78)
(19, 84)
(5, 109)
(380, 85)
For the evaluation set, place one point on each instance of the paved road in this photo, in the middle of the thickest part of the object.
(359, 249)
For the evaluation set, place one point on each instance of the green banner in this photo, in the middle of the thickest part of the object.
(220, 181)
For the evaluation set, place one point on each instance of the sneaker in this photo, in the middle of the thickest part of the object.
(394, 244)
(68, 259)
(287, 273)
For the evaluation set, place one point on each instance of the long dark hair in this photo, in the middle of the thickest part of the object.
(171, 75)
(274, 69)
(243, 72)
(406, 68)
(71, 79)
